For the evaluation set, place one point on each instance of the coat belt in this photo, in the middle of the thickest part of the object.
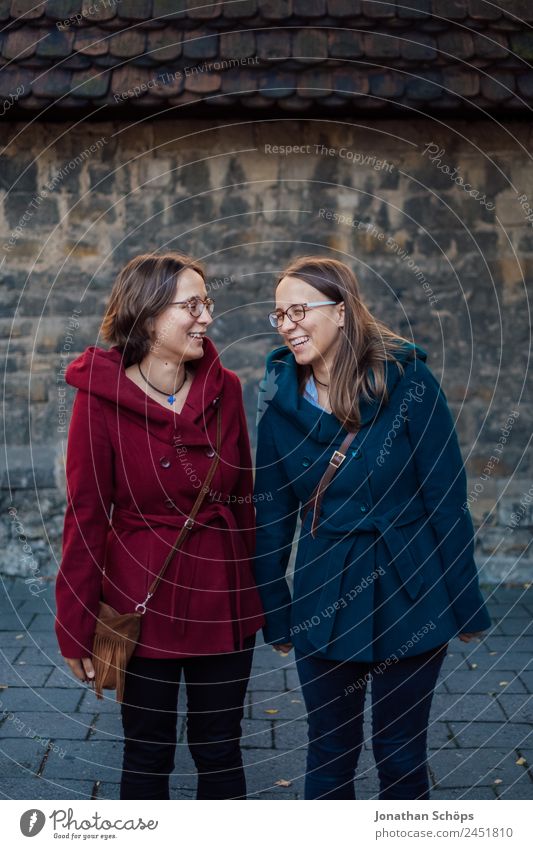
(385, 525)
(132, 520)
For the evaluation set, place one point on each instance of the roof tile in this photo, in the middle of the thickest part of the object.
(167, 10)
(378, 45)
(461, 82)
(525, 84)
(415, 9)
(386, 83)
(57, 44)
(424, 87)
(344, 8)
(12, 79)
(58, 10)
(456, 43)
(450, 9)
(522, 44)
(92, 83)
(498, 87)
(484, 10)
(490, 45)
(379, 9)
(91, 41)
(21, 43)
(350, 82)
(273, 44)
(237, 45)
(52, 84)
(163, 45)
(197, 44)
(418, 46)
(99, 10)
(127, 44)
(203, 83)
(345, 44)
(198, 10)
(310, 45)
(135, 10)
(315, 83)
(244, 9)
(275, 10)
(309, 8)
(27, 9)
(276, 83)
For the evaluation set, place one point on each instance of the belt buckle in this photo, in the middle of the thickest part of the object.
(337, 459)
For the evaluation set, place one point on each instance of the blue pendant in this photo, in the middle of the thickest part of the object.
(171, 399)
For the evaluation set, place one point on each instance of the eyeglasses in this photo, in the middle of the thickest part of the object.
(296, 312)
(196, 305)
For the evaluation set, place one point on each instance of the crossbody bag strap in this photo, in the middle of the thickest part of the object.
(336, 460)
(141, 608)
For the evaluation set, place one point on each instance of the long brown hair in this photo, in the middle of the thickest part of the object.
(366, 343)
(142, 290)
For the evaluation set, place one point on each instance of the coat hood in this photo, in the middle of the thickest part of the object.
(101, 373)
(280, 389)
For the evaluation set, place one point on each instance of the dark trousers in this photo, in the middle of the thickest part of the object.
(216, 688)
(334, 695)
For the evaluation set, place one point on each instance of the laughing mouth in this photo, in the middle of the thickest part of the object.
(298, 341)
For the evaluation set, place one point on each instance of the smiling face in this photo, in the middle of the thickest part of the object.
(176, 334)
(315, 338)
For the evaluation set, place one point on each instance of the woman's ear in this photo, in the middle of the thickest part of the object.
(341, 316)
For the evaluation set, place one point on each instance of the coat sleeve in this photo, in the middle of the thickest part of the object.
(442, 482)
(277, 512)
(89, 483)
(243, 508)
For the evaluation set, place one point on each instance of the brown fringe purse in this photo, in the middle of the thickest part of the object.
(117, 634)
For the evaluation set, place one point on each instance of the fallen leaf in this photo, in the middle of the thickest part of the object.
(21, 662)
(3, 686)
(296, 701)
(503, 683)
(493, 653)
(19, 636)
(271, 710)
(521, 762)
(282, 782)
(497, 781)
(474, 666)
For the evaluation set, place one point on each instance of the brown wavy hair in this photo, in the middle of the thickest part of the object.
(142, 290)
(366, 343)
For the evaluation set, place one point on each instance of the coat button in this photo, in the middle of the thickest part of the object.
(363, 507)
(165, 462)
(170, 504)
(306, 462)
(209, 452)
(215, 401)
(356, 452)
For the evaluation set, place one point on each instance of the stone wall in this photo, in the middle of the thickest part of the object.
(445, 263)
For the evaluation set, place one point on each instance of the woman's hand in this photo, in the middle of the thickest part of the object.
(467, 638)
(82, 668)
(282, 648)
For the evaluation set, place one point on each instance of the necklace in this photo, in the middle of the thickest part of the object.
(319, 381)
(170, 398)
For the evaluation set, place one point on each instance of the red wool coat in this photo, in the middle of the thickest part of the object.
(134, 470)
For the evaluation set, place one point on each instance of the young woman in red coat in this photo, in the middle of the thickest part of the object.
(141, 441)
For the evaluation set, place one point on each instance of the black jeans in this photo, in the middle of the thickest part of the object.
(334, 695)
(216, 688)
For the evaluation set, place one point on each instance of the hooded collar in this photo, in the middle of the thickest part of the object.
(280, 389)
(102, 374)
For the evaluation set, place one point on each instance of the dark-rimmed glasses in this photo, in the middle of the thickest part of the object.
(296, 312)
(196, 306)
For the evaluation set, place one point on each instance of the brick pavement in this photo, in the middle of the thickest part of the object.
(58, 742)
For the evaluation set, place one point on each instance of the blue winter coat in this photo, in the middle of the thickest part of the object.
(391, 571)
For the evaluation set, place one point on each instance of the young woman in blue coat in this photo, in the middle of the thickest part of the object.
(385, 576)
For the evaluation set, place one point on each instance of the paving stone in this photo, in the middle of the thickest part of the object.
(482, 793)
(481, 681)
(40, 657)
(19, 784)
(260, 703)
(512, 626)
(25, 675)
(48, 725)
(514, 644)
(16, 621)
(472, 735)
(270, 680)
(457, 707)
(91, 704)
(257, 733)
(24, 753)
(483, 767)
(41, 699)
(87, 759)
(517, 708)
(264, 768)
(42, 622)
(107, 726)
(62, 677)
